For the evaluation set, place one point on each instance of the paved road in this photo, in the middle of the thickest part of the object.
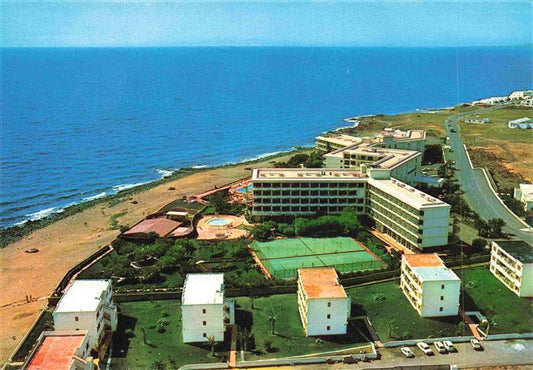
(478, 193)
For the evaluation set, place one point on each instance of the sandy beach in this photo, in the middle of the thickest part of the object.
(66, 242)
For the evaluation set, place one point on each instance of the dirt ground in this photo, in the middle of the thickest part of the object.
(67, 242)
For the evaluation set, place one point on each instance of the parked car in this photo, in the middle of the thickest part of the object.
(476, 345)
(424, 348)
(406, 351)
(449, 346)
(440, 347)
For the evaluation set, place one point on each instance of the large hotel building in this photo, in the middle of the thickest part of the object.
(411, 217)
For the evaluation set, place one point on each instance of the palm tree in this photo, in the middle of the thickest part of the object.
(272, 317)
(212, 343)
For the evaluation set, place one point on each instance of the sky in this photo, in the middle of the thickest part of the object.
(183, 23)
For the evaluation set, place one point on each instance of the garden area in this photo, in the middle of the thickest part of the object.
(271, 328)
(164, 263)
(394, 318)
(506, 312)
(149, 337)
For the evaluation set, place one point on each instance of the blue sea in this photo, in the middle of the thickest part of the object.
(77, 124)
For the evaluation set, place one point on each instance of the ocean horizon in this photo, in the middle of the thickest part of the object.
(82, 123)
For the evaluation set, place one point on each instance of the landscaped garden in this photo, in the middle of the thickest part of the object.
(149, 333)
(272, 328)
(506, 312)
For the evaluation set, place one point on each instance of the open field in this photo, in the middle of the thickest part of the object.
(131, 352)
(506, 152)
(507, 312)
(393, 316)
(290, 339)
(68, 241)
(283, 257)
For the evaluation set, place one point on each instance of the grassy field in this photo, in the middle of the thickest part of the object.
(290, 339)
(167, 347)
(506, 152)
(507, 312)
(393, 316)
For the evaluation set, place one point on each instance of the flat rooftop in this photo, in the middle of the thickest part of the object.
(429, 267)
(407, 194)
(321, 283)
(203, 289)
(527, 191)
(82, 296)
(305, 174)
(400, 135)
(340, 139)
(519, 249)
(423, 260)
(55, 352)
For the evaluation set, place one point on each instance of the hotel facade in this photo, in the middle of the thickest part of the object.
(411, 217)
(204, 310)
(432, 289)
(322, 302)
(511, 262)
(88, 305)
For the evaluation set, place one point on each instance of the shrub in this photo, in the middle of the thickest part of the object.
(129, 333)
(478, 244)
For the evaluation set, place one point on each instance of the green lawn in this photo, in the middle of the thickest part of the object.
(507, 312)
(166, 347)
(393, 316)
(290, 339)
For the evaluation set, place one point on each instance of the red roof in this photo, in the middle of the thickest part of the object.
(423, 260)
(321, 283)
(55, 352)
(161, 226)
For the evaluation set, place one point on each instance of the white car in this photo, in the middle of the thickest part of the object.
(406, 351)
(440, 347)
(449, 346)
(424, 348)
(476, 345)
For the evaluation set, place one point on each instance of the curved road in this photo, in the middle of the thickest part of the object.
(478, 192)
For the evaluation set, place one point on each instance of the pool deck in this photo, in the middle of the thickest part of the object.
(225, 232)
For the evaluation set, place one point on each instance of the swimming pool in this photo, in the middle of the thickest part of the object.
(219, 222)
(245, 189)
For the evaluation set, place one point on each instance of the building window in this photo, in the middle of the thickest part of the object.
(329, 304)
(440, 309)
(76, 318)
(328, 316)
(204, 310)
(442, 298)
(205, 323)
(328, 328)
(205, 335)
(442, 286)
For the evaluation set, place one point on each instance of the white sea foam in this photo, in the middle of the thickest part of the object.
(44, 213)
(164, 173)
(200, 166)
(121, 187)
(93, 197)
(260, 156)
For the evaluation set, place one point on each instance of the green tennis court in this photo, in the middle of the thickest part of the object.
(283, 257)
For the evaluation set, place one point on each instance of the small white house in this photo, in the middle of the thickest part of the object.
(323, 304)
(522, 123)
(477, 120)
(431, 288)
(204, 310)
(511, 262)
(524, 193)
(88, 305)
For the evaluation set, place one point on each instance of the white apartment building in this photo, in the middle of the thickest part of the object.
(88, 305)
(61, 350)
(524, 193)
(322, 302)
(511, 261)
(431, 288)
(331, 142)
(398, 139)
(204, 310)
(522, 94)
(522, 123)
(411, 217)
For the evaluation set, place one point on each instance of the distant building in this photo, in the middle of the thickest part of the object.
(511, 262)
(522, 123)
(323, 304)
(477, 120)
(204, 310)
(61, 350)
(524, 193)
(88, 305)
(331, 142)
(495, 100)
(431, 288)
(527, 102)
(519, 95)
(398, 139)
(409, 216)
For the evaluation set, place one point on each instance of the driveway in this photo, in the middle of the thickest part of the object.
(478, 192)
